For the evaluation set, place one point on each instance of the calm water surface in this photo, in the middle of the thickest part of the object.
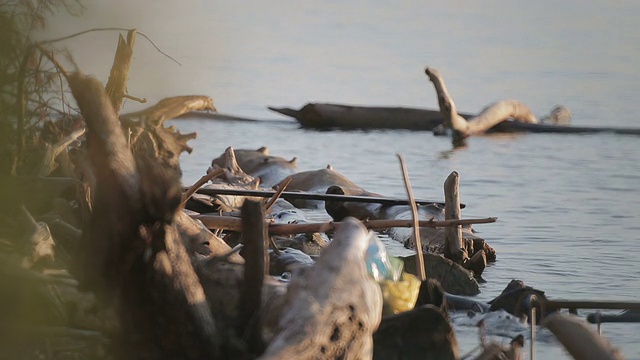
(567, 204)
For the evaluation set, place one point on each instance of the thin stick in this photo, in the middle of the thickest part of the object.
(316, 196)
(203, 180)
(414, 215)
(131, 97)
(281, 187)
(233, 224)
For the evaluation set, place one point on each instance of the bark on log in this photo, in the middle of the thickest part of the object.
(489, 117)
(333, 308)
(454, 247)
(132, 250)
(117, 85)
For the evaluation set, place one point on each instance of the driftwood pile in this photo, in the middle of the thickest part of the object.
(102, 260)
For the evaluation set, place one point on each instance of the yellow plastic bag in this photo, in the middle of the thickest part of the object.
(400, 295)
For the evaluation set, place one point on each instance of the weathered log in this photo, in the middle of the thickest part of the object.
(578, 339)
(132, 250)
(332, 308)
(234, 224)
(489, 117)
(117, 85)
(454, 247)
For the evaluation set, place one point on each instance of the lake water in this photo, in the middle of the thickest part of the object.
(568, 205)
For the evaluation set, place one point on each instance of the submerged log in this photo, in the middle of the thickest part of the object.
(332, 308)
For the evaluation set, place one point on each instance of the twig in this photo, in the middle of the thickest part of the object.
(414, 214)
(130, 97)
(203, 180)
(109, 29)
(281, 187)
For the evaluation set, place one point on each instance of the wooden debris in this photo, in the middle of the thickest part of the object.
(132, 248)
(172, 107)
(582, 342)
(454, 278)
(255, 241)
(234, 224)
(116, 87)
(415, 221)
(333, 308)
(454, 248)
(422, 333)
(489, 117)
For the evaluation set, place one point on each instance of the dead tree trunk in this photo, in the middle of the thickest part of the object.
(131, 250)
(489, 117)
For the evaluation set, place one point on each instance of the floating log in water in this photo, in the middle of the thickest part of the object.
(348, 117)
(328, 116)
(234, 224)
(288, 195)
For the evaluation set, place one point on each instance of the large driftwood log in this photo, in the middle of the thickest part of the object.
(131, 247)
(333, 308)
(489, 117)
